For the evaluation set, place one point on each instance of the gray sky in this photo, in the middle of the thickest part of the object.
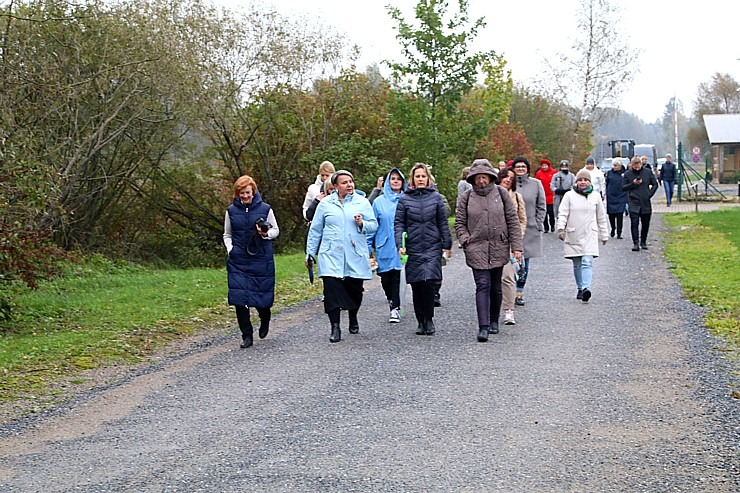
(682, 43)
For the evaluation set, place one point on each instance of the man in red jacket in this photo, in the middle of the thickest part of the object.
(545, 174)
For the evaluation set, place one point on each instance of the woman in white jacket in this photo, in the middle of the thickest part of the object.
(581, 224)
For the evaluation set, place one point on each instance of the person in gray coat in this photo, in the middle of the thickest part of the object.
(487, 226)
(533, 193)
(562, 182)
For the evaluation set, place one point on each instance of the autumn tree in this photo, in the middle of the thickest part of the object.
(434, 121)
(596, 71)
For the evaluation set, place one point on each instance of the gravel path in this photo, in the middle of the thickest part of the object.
(625, 393)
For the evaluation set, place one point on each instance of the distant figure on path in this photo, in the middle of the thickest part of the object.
(249, 228)
(545, 174)
(640, 185)
(562, 182)
(616, 198)
(668, 178)
(507, 179)
(581, 224)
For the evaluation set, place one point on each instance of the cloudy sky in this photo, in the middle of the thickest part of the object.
(682, 44)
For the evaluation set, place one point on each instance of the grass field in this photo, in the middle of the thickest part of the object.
(704, 250)
(101, 313)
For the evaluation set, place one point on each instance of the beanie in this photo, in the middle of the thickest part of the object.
(584, 173)
(590, 160)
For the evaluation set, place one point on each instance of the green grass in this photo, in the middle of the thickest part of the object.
(99, 314)
(704, 250)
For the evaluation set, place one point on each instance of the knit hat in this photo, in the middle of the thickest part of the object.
(564, 164)
(339, 173)
(546, 161)
(584, 173)
(482, 166)
(590, 160)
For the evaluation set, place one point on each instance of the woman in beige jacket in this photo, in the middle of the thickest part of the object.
(488, 229)
(581, 224)
(507, 179)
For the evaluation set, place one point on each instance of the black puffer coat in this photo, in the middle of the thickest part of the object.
(421, 214)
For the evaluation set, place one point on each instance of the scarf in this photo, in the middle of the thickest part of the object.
(584, 191)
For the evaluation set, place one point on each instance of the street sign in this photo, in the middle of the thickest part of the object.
(696, 158)
(696, 150)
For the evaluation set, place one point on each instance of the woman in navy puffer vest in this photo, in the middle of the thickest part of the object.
(422, 216)
(251, 265)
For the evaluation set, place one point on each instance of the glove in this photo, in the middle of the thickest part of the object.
(560, 191)
(561, 234)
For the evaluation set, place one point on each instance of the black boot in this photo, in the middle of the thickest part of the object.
(336, 333)
(429, 326)
(421, 329)
(493, 329)
(635, 247)
(643, 245)
(483, 333)
(246, 340)
(264, 327)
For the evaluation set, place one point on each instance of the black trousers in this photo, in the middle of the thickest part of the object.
(243, 317)
(391, 282)
(423, 296)
(616, 221)
(638, 234)
(550, 218)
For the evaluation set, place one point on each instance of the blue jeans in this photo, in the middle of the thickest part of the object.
(668, 186)
(582, 270)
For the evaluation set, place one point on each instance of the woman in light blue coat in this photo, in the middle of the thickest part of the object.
(338, 239)
(386, 253)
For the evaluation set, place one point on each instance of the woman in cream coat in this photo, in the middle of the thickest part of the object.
(581, 224)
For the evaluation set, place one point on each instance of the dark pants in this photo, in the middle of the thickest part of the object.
(342, 294)
(243, 317)
(639, 235)
(488, 295)
(423, 296)
(391, 282)
(550, 218)
(616, 221)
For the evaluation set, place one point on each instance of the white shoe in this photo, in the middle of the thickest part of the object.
(509, 317)
(395, 316)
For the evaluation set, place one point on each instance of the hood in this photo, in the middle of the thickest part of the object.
(390, 194)
(482, 166)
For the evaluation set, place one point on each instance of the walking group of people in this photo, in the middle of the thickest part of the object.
(402, 231)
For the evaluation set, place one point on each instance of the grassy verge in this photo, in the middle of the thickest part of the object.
(101, 314)
(704, 250)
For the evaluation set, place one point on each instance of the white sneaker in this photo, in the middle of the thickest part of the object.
(509, 317)
(395, 316)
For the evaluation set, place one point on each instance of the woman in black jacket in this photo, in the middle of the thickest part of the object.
(421, 215)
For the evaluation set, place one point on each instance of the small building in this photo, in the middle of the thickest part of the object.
(724, 137)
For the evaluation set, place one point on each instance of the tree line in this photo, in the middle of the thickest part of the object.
(123, 124)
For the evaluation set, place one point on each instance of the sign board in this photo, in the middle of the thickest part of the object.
(696, 158)
(696, 150)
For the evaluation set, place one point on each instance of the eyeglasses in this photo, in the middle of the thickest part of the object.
(524, 166)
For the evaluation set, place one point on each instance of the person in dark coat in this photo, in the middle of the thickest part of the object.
(249, 228)
(421, 214)
(640, 185)
(616, 198)
(487, 226)
(668, 178)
